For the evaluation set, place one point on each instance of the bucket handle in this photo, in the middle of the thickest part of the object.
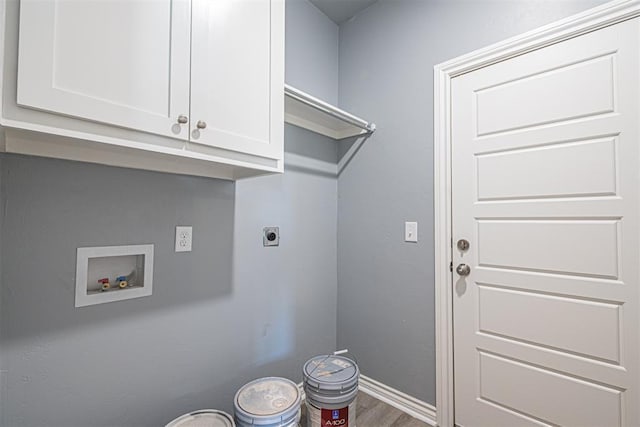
(337, 353)
(344, 351)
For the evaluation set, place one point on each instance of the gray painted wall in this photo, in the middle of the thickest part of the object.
(226, 313)
(385, 286)
(313, 40)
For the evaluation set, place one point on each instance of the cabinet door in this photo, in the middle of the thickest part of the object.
(237, 75)
(110, 61)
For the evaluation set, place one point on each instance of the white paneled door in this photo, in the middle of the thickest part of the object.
(545, 181)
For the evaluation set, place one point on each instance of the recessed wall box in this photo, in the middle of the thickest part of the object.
(98, 266)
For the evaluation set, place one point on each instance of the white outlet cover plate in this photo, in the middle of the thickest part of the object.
(410, 231)
(184, 238)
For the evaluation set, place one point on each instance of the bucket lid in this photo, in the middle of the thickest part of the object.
(329, 372)
(267, 401)
(203, 418)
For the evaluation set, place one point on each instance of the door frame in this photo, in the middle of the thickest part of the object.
(590, 20)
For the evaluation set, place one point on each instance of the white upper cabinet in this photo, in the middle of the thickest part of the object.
(185, 86)
(121, 63)
(231, 60)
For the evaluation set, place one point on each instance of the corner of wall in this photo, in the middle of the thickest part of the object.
(312, 51)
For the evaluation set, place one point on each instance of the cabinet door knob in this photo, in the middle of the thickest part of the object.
(182, 119)
(201, 124)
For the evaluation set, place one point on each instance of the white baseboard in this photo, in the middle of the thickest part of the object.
(402, 401)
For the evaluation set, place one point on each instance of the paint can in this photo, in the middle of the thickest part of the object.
(268, 402)
(331, 388)
(203, 418)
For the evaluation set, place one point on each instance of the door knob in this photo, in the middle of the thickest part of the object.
(201, 124)
(182, 119)
(463, 270)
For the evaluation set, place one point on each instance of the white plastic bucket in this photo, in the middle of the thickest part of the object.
(203, 418)
(331, 388)
(268, 402)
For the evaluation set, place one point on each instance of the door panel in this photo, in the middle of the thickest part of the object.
(125, 64)
(533, 100)
(579, 247)
(545, 186)
(516, 386)
(237, 78)
(505, 175)
(593, 328)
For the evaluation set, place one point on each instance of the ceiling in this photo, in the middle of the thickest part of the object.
(341, 10)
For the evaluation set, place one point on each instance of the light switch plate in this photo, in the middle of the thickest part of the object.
(410, 231)
(184, 238)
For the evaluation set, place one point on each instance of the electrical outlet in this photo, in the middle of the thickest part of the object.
(184, 237)
(270, 236)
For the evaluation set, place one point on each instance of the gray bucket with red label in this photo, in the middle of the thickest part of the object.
(331, 388)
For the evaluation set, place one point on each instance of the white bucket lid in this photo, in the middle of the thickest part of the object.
(203, 418)
(331, 374)
(267, 401)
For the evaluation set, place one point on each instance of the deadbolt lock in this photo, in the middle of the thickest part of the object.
(463, 244)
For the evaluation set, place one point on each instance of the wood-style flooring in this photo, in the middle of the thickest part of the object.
(371, 412)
